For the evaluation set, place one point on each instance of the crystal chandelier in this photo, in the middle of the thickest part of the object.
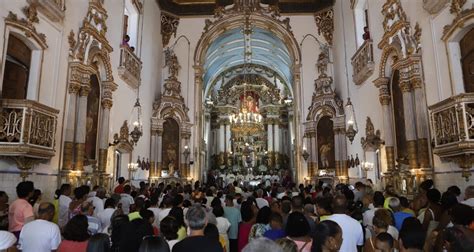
(247, 121)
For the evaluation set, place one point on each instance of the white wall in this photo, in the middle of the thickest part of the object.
(53, 86)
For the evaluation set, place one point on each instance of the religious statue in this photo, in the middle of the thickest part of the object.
(323, 61)
(172, 156)
(171, 61)
(324, 152)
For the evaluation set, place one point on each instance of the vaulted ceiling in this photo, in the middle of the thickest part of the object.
(206, 7)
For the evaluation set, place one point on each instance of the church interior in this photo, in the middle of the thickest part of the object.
(338, 91)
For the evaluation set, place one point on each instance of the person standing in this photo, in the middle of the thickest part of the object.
(352, 234)
(41, 234)
(126, 200)
(20, 211)
(63, 204)
(196, 218)
(97, 200)
(232, 214)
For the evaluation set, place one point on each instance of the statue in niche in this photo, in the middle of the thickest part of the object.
(324, 152)
(172, 157)
(322, 64)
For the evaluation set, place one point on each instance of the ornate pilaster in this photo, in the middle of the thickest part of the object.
(104, 134)
(80, 138)
(410, 126)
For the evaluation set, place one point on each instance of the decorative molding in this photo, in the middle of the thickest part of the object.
(169, 26)
(139, 5)
(457, 6)
(458, 22)
(27, 24)
(52, 9)
(325, 23)
(434, 6)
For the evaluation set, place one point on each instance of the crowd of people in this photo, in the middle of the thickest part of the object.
(262, 218)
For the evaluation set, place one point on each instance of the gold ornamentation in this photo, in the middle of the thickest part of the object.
(423, 153)
(31, 13)
(102, 160)
(52, 9)
(390, 156)
(27, 25)
(80, 151)
(458, 22)
(169, 25)
(68, 156)
(27, 128)
(412, 154)
(456, 6)
(107, 103)
(325, 22)
(71, 40)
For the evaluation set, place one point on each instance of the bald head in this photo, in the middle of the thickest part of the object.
(46, 211)
(339, 204)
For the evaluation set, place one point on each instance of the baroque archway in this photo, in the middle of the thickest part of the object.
(401, 53)
(88, 56)
(265, 18)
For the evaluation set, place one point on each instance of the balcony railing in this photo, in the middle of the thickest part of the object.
(130, 67)
(452, 121)
(53, 9)
(363, 63)
(27, 128)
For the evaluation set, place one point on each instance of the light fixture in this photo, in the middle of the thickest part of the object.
(137, 126)
(247, 121)
(305, 154)
(351, 129)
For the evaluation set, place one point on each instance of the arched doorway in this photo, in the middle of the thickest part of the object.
(226, 29)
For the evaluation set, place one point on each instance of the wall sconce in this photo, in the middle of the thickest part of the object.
(305, 154)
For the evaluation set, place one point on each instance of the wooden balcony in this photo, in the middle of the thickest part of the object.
(130, 67)
(363, 63)
(452, 122)
(27, 129)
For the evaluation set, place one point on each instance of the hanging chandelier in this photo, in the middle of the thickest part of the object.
(248, 121)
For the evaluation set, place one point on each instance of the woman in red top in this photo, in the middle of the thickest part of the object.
(75, 235)
(249, 214)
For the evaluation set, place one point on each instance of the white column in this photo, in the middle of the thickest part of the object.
(80, 137)
(159, 154)
(408, 110)
(227, 138)
(221, 138)
(71, 118)
(276, 137)
(104, 130)
(153, 154)
(314, 152)
(270, 137)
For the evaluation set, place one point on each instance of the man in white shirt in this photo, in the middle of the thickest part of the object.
(126, 200)
(41, 235)
(368, 215)
(469, 196)
(63, 204)
(168, 204)
(352, 234)
(98, 200)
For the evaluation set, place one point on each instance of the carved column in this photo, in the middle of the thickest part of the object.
(410, 125)
(276, 143)
(104, 134)
(271, 163)
(422, 124)
(384, 98)
(221, 142)
(153, 153)
(81, 127)
(74, 88)
(159, 151)
(227, 139)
